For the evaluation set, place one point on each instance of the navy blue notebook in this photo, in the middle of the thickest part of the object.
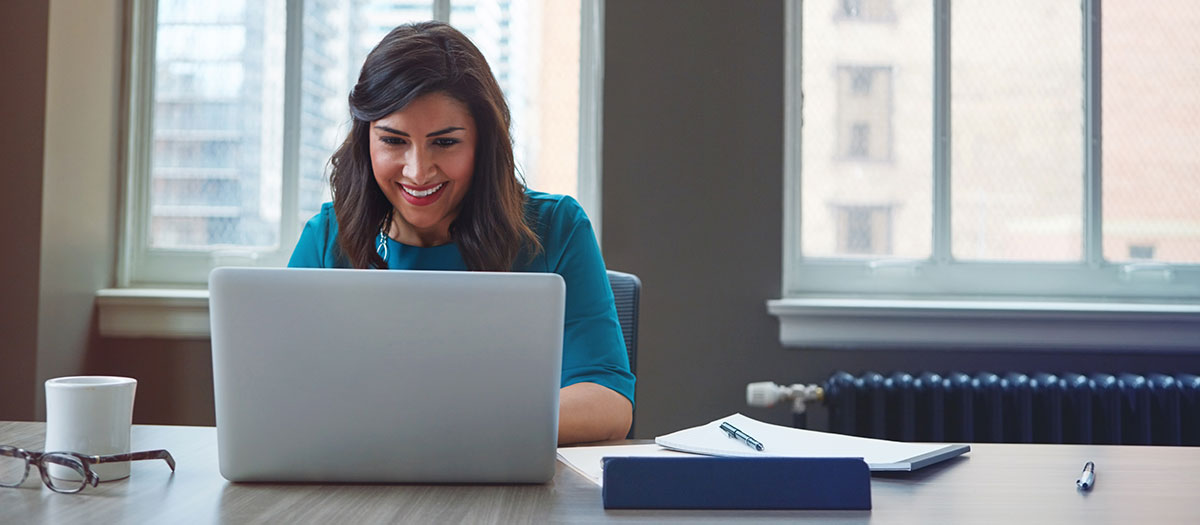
(736, 483)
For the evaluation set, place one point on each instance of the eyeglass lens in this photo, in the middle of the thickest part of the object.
(12, 469)
(65, 473)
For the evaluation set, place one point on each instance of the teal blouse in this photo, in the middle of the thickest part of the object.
(593, 346)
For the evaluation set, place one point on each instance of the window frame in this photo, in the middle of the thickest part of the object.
(140, 266)
(143, 306)
(889, 302)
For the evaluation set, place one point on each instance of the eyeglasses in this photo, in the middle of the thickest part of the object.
(72, 471)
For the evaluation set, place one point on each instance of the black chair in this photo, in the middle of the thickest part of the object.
(627, 290)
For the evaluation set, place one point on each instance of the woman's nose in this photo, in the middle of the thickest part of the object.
(418, 165)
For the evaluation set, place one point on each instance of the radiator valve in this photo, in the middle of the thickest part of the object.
(766, 394)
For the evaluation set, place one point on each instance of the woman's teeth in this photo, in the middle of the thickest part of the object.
(423, 193)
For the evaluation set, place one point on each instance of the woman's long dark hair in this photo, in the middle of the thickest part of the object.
(414, 60)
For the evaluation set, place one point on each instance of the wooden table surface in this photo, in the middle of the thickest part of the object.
(994, 483)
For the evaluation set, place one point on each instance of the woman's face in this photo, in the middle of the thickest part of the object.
(423, 157)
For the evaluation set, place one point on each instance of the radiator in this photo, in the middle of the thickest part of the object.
(1152, 409)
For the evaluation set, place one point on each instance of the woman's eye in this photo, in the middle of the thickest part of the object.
(392, 140)
(444, 142)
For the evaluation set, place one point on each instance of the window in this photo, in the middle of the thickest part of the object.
(864, 113)
(1141, 251)
(860, 81)
(864, 230)
(237, 105)
(999, 182)
(865, 9)
(860, 140)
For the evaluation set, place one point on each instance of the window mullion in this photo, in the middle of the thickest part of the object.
(1093, 233)
(941, 132)
(793, 126)
(591, 86)
(441, 10)
(292, 77)
(135, 242)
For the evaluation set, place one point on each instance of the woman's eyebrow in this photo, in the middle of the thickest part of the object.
(390, 130)
(450, 129)
(445, 131)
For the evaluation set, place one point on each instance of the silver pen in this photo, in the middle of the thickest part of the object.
(733, 432)
(1088, 477)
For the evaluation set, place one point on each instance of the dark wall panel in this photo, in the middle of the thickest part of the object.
(692, 197)
(23, 39)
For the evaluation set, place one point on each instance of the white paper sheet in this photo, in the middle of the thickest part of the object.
(587, 460)
(880, 455)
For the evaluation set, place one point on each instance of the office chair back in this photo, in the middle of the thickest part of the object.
(627, 291)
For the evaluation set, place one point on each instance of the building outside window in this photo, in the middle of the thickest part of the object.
(864, 106)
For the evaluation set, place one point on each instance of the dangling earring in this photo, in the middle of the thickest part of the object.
(381, 247)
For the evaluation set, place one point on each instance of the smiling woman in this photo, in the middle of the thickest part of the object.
(425, 180)
(419, 83)
(423, 157)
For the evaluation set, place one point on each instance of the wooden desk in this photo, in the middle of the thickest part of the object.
(992, 484)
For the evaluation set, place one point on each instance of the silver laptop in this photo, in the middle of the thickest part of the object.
(386, 376)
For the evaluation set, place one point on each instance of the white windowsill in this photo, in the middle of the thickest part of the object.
(153, 312)
(809, 322)
(886, 323)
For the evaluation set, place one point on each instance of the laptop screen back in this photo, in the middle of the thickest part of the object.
(386, 376)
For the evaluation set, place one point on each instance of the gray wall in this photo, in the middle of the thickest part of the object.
(693, 160)
(61, 141)
(80, 181)
(693, 204)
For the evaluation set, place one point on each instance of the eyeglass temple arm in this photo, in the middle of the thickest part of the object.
(92, 478)
(135, 456)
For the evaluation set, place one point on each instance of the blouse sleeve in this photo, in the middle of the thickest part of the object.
(593, 344)
(310, 251)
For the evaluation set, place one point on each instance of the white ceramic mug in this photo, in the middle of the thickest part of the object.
(91, 415)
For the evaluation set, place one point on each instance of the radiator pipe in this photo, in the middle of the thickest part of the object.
(766, 394)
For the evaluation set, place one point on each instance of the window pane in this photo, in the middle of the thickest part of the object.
(533, 49)
(1016, 130)
(866, 186)
(217, 119)
(338, 34)
(1151, 121)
